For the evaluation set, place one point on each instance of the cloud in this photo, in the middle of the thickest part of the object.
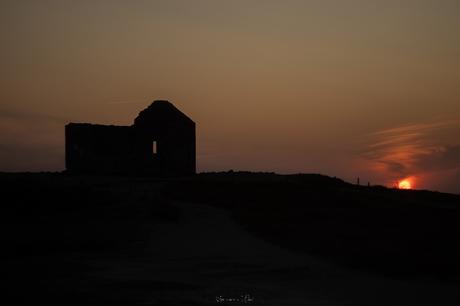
(128, 101)
(415, 149)
(20, 115)
(446, 158)
(30, 141)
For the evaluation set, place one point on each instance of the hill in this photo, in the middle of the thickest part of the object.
(396, 232)
(128, 240)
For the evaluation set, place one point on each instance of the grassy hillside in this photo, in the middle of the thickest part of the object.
(57, 229)
(57, 213)
(401, 233)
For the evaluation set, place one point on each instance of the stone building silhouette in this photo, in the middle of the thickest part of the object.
(161, 142)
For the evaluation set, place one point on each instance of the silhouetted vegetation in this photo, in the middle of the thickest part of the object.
(56, 226)
(403, 233)
(47, 213)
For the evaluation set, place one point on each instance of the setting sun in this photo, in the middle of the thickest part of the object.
(404, 184)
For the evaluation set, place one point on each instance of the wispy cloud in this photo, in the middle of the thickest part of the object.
(414, 149)
(128, 101)
(30, 141)
(20, 115)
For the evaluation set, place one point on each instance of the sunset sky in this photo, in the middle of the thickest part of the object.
(344, 88)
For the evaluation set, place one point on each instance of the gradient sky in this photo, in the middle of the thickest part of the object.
(344, 88)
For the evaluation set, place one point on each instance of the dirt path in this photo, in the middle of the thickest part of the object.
(207, 254)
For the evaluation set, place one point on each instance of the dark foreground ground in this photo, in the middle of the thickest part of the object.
(284, 240)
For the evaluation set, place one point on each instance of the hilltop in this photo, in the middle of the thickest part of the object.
(124, 240)
(385, 230)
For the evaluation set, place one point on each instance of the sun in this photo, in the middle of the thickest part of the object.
(404, 184)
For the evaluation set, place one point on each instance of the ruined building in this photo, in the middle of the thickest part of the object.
(161, 142)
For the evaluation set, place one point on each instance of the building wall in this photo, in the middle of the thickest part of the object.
(128, 150)
(99, 149)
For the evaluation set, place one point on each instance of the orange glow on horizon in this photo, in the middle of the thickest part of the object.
(405, 184)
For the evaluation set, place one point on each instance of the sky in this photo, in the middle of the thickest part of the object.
(357, 88)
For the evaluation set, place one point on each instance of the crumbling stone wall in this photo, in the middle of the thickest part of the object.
(161, 142)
